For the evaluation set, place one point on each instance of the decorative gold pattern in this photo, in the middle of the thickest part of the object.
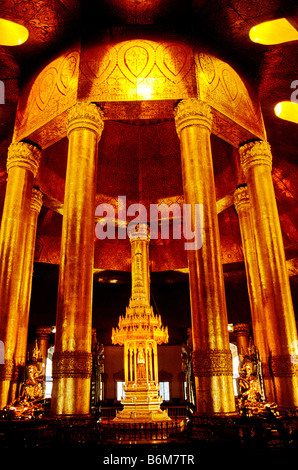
(241, 197)
(43, 332)
(85, 115)
(241, 329)
(72, 364)
(137, 70)
(7, 371)
(224, 90)
(36, 200)
(212, 362)
(192, 112)
(49, 94)
(23, 155)
(255, 153)
(284, 366)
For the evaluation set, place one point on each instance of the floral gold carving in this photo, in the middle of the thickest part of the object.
(284, 365)
(212, 362)
(85, 115)
(192, 112)
(255, 154)
(137, 70)
(23, 155)
(224, 90)
(174, 60)
(76, 364)
(241, 329)
(43, 332)
(241, 197)
(7, 371)
(36, 200)
(136, 60)
(48, 95)
(149, 75)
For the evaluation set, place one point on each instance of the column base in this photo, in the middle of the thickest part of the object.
(286, 391)
(215, 396)
(71, 397)
(4, 393)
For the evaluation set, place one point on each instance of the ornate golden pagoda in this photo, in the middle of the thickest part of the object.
(140, 331)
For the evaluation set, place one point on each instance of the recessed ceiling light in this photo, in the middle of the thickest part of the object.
(12, 34)
(273, 32)
(287, 110)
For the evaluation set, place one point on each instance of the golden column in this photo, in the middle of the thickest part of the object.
(241, 331)
(212, 359)
(25, 295)
(243, 208)
(72, 359)
(279, 316)
(43, 334)
(22, 166)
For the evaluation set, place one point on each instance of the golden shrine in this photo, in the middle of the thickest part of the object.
(140, 331)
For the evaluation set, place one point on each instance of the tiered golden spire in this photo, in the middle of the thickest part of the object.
(140, 331)
(139, 322)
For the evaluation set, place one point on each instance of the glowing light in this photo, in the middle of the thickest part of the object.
(12, 34)
(287, 110)
(145, 89)
(273, 32)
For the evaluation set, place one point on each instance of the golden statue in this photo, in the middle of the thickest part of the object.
(141, 365)
(29, 404)
(250, 399)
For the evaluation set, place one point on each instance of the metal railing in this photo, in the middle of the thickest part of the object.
(145, 432)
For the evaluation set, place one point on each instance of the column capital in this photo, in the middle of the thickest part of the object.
(142, 234)
(241, 197)
(241, 329)
(43, 332)
(256, 153)
(85, 115)
(192, 112)
(36, 200)
(23, 155)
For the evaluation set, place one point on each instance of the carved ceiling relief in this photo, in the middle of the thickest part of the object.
(51, 93)
(130, 71)
(225, 91)
(137, 70)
